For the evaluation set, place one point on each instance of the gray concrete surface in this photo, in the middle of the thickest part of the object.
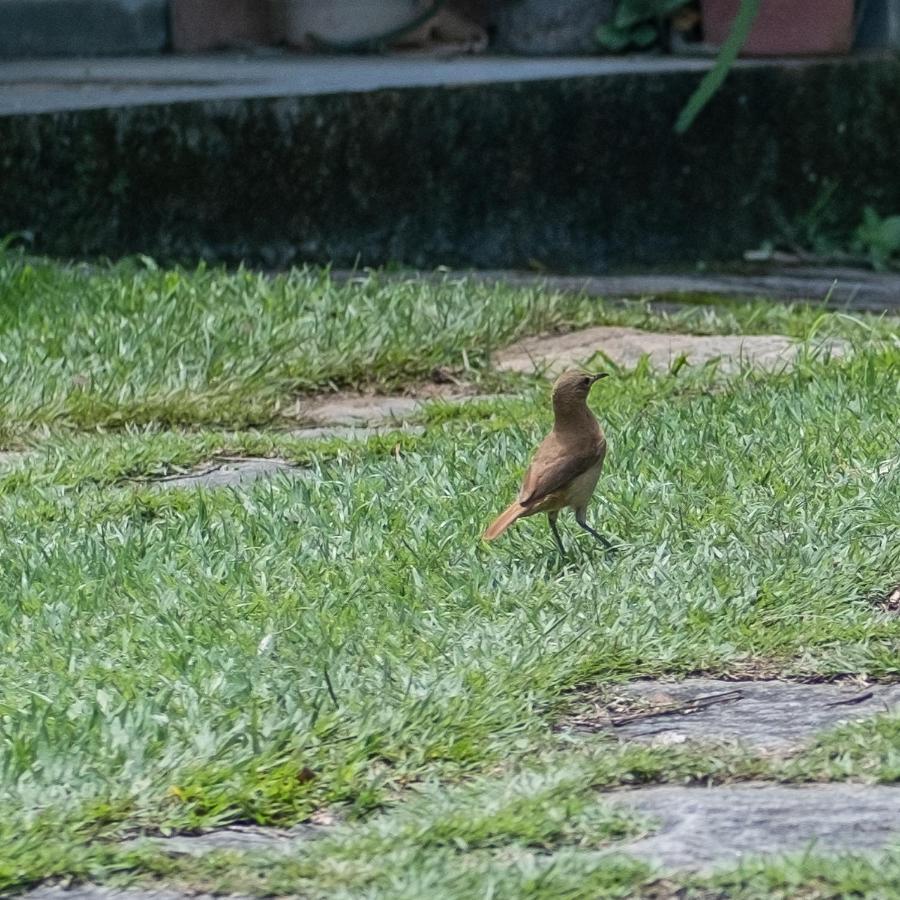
(99, 892)
(701, 828)
(284, 160)
(234, 473)
(236, 837)
(354, 431)
(55, 85)
(349, 415)
(690, 829)
(363, 411)
(762, 715)
(835, 287)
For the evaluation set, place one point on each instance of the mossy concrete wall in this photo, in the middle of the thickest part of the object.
(579, 173)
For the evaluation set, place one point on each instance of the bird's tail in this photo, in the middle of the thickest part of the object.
(503, 521)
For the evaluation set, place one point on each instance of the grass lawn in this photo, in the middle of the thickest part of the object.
(344, 641)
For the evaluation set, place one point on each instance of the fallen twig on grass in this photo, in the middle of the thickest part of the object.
(685, 707)
(850, 701)
(177, 475)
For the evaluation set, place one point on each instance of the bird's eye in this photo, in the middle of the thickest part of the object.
(585, 380)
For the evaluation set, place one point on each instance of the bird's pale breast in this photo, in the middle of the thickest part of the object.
(580, 489)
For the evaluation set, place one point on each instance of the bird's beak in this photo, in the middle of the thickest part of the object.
(598, 376)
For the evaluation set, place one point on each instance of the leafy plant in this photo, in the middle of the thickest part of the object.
(712, 81)
(819, 230)
(878, 238)
(636, 23)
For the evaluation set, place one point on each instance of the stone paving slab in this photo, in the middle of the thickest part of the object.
(231, 474)
(374, 413)
(353, 432)
(694, 829)
(551, 354)
(773, 716)
(99, 892)
(363, 411)
(705, 827)
(358, 420)
(237, 837)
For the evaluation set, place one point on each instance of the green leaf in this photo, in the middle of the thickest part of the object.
(713, 79)
(644, 35)
(612, 37)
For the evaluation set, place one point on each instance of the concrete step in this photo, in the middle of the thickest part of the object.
(484, 162)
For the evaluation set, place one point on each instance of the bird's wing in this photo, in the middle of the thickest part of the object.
(554, 467)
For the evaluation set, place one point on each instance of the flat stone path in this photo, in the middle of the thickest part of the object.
(705, 827)
(230, 474)
(354, 432)
(237, 837)
(99, 892)
(693, 829)
(689, 828)
(366, 413)
(770, 716)
(363, 411)
(551, 354)
(345, 417)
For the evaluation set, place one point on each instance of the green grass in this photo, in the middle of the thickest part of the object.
(519, 870)
(182, 659)
(868, 750)
(136, 345)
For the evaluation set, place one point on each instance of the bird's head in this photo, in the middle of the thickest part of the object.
(574, 385)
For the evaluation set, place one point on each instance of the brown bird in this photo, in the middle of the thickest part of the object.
(567, 464)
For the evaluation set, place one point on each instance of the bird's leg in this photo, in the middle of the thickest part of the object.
(551, 518)
(580, 518)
